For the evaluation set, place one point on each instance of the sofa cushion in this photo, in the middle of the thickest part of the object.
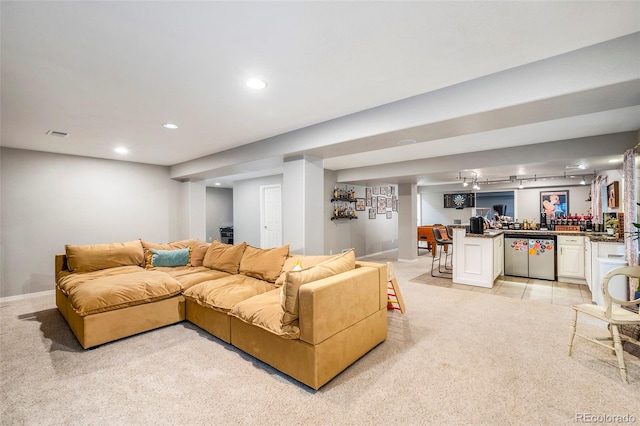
(115, 291)
(305, 262)
(295, 279)
(69, 280)
(87, 258)
(222, 294)
(264, 311)
(178, 257)
(224, 257)
(189, 277)
(264, 264)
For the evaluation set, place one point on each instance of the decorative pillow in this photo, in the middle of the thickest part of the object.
(179, 257)
(199, 250)
(95, 257)
(295, 279)
(303, 261)
(224, 257)
(263, 264)
(197, 253)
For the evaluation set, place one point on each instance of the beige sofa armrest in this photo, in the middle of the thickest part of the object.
(333, 304)
(382, 276)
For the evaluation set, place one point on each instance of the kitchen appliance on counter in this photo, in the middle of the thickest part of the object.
(476, 225)
(530, 256)
(543, 221)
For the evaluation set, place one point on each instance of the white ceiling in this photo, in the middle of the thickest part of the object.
(346, 82)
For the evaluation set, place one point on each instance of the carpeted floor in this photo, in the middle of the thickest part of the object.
(455, 357)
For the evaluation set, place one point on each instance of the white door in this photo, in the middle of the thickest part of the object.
(270, 216)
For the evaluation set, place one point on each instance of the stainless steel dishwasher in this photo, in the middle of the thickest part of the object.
(532, 256)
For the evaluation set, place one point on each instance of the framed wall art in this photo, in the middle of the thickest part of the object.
(554, 204)
(613, 195)
(360, 204)
(372, 213)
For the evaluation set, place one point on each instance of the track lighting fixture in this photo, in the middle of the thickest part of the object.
(520, 180)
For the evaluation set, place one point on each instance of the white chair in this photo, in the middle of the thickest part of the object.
(614, 316)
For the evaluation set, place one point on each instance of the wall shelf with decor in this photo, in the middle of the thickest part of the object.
(344, 203)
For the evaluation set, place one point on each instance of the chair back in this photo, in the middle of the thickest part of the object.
(627, 271)
(449, 229)
(437, 235)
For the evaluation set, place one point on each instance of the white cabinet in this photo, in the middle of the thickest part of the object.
(587, 261)
(604, 255)
(571, 263)
(477, 259)
(498, 257)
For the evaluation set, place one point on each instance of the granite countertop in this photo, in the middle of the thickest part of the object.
(593, 236)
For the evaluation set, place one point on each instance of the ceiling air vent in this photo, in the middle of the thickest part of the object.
(57, 134)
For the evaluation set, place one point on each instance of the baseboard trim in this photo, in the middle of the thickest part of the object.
(27, 296)
(376, 253)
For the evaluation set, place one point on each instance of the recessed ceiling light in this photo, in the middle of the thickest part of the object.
(217, 184)
(406, 142)
(121, 150)
(256, 83)
(170, 126)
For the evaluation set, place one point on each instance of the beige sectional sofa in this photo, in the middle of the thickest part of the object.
(307, 316)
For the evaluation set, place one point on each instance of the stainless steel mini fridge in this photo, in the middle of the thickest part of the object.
(530, 256)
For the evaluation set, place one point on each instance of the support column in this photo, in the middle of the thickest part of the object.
(196, 216)
(303, 204)
(407, 222)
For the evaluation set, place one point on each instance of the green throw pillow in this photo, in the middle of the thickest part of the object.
(180, 257)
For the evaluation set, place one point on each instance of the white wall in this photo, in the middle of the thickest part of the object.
(528, 201)
(433, 211)
(366, 236)
(219, 211)
(527, 205)
(49, 200)
(246, 208)
(613, 176)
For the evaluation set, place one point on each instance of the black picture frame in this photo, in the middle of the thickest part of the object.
(360, 204)
(613, 195)
(554, 203)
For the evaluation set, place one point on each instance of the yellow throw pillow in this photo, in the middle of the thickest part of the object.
(224, 257)
(88, 258)
(295, 279)
(263, 264)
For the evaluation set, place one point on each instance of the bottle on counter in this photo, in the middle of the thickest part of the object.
(516, 225)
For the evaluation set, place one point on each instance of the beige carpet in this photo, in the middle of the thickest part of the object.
(455, 357)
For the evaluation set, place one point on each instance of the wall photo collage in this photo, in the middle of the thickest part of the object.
(381, 200)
